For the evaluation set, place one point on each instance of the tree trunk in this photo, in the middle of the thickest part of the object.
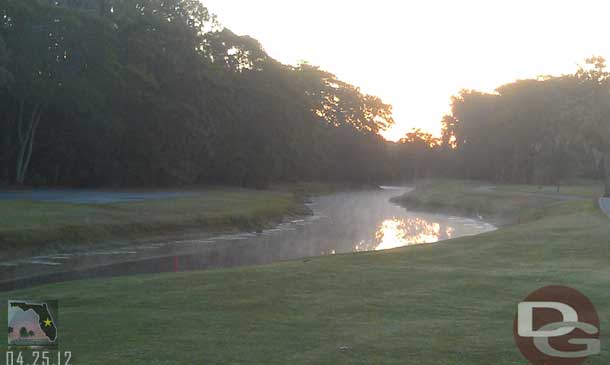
(30, 147)
(103, 8)
(7, 151)
(26, 134)
(606, 163)
(20, 139)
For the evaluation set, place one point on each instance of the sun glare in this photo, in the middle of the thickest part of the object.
(415, 55)
(393, 233)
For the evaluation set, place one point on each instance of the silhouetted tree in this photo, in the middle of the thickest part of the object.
(533, 131)
(594, 83)
(151, 92)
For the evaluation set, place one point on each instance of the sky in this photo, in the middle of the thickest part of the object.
(416, 54)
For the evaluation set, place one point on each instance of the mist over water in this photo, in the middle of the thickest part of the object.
(342, 223)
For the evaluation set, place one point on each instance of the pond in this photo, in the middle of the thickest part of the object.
(343, 222)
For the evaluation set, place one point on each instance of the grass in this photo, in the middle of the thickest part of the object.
(585, 189)
(447, 303)
(313, 188)
(501, 205)
(27, 226)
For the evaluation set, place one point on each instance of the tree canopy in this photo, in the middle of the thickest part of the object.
(150, 92)
(534, 131)
(157, 93)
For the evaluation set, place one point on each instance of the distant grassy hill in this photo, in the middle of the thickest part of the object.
(447, 303)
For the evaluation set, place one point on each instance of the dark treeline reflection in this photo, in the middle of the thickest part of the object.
(156, 93)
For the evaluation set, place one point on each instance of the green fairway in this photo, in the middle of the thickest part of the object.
(27, 226)
(446, 303)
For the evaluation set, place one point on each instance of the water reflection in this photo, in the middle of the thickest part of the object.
(369, 222)
(343, 222)
(397, 232)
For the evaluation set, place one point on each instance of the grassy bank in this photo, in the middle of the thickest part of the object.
(448, 303)
(584, 188)
(27, 226)
(503, 205)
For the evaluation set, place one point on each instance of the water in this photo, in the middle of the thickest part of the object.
(342, 223)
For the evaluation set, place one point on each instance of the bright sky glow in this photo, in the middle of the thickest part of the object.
(416, 54)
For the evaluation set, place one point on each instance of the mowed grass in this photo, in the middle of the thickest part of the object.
(585, 189)
(27, 226)
(446, 303)
(502, 204)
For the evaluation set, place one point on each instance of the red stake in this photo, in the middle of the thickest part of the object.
(176, 264)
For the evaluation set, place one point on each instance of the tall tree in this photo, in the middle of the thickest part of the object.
(52, 67)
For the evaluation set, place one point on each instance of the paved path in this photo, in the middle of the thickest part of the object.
(604, 204)
(559, 196)
(89, 196)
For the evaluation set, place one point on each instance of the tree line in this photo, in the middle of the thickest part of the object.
(538, 131)
(157, 93)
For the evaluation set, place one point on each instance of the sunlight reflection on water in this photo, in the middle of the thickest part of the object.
(399, 232)
(342, 223)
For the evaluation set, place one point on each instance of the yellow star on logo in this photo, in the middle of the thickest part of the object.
(47, 323)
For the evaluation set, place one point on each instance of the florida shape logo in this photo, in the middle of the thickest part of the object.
(32, 323)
